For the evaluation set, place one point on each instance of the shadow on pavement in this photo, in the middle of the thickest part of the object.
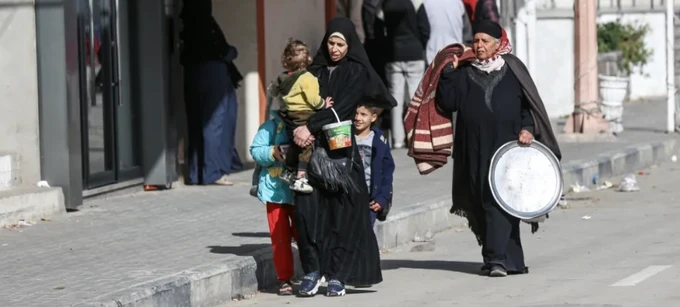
(251, 234)
(243, 250)
(473, 268)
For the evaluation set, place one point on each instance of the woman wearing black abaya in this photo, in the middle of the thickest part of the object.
(210, 82)
(496, 102)
(335, 235)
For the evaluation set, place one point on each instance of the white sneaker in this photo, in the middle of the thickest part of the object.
(302, 185)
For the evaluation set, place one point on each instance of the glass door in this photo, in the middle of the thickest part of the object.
(107, 117)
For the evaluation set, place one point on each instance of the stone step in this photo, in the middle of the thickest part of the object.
(30, 204)
(9, 171)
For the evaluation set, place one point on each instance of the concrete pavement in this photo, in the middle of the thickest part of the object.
(202, 246)
(626, 254)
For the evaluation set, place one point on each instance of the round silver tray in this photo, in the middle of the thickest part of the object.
(526, 181)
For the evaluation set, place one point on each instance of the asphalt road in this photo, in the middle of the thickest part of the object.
(609, 248)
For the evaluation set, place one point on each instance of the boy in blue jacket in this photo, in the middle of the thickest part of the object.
(275, 193)
(378, 162)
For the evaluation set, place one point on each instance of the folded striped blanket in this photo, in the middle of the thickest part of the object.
(429, 130)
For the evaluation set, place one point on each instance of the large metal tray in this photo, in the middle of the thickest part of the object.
(526, 181)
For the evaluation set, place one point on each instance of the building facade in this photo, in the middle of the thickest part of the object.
(91, 91)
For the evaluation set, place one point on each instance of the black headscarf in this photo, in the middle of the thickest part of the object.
(489, 27)
(376, 92)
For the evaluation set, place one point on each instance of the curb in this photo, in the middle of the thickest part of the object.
(434, 216)
(208, 285)
(617, 163)
(241, 277)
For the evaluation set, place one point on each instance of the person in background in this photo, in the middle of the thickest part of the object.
(470, 6)
(407, 30)
(446, 18)
(298, 89)
(352, 9)
(378, 162)
(486, 10)
(210, 82)
(267, 152)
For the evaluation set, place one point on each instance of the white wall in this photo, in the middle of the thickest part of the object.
(555, 51)
(651, 80)
(554, 74)
(19, 88)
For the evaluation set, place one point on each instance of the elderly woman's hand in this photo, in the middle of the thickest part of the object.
(455, 61)
(302, 136)
(525, 137)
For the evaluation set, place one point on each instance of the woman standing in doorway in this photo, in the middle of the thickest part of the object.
(210, 80)
(334, 228)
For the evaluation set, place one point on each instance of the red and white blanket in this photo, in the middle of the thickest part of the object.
(429, 130)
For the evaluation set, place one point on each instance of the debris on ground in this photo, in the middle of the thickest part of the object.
(429, 235)
(586, 217)
(20, 224)
(43, 184)
(577, 188)
(674, 158)
(605, 185)
(629, 184)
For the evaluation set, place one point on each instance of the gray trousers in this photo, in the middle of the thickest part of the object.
(401, 76)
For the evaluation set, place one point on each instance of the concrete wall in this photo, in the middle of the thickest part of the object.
(554, 75)
(19, 88)
(555, 64)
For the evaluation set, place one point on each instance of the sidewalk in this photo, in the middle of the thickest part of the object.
(195, 246)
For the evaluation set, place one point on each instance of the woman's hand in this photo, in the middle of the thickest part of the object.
(278, 154)
(455, 61)
(302, 137)
(525, 137)
(329, 102)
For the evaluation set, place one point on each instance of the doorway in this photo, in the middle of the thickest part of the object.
(109, 118)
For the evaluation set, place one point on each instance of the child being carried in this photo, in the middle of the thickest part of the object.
(298, 91)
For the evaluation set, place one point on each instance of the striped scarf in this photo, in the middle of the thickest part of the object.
(429, 130)
(495, 62)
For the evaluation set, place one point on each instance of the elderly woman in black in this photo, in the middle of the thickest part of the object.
(336, 240)
(496, 102)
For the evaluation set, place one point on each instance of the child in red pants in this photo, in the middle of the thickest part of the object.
(268, 149)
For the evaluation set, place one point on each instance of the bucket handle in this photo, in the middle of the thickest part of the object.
(336, 115)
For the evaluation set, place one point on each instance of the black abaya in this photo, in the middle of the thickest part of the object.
(491, 111)
(334, 228)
